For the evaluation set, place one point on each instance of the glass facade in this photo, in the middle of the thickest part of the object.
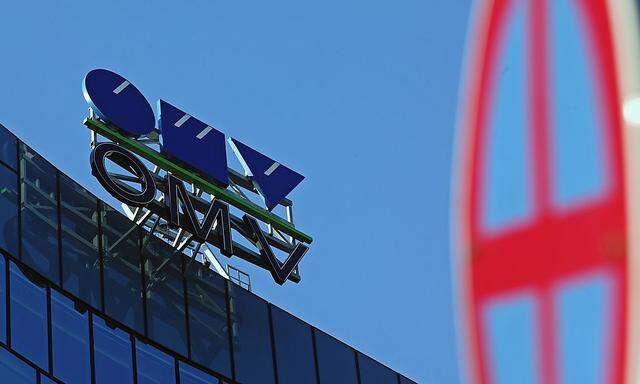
(372, 372)
(293, 348)
(122, 269)
(86, 296)
(153, 366)
(335, 360)
(28, 321)
(208, 319)
(252, 343)
(9, 210)
(112, 353)
(39, 214)
(70, 340)
(79, 242)
(14, 370)
(164, 293)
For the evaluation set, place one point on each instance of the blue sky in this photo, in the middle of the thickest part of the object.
(359, 96)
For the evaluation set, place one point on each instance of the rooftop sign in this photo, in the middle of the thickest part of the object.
(194, 152)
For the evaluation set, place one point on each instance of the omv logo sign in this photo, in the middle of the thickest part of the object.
(185, 138)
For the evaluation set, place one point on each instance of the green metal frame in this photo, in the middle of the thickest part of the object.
(192, 177)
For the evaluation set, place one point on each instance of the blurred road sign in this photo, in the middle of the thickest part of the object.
(544, 246)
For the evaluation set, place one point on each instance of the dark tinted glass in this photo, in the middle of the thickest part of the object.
(336, 361)
(372, 372)
(166, 317)
(252, 337)
(191, 375)
(112, 348)
(29, 334)
(294, 348)
(8, 210)
(154, 366)
(3, 300)
(79, 236)
(70, 339)
(45, 380)
(208, 319)
(14, 370)
(122, 273)
(8, 147)
(39, 209)
(404, 380)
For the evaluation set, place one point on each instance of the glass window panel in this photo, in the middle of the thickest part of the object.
(70, 340)
(154, 366)
(3, 300)
(510, 326)
(8, 147)
(29, 329)
(112, 350)
(372, 372)
(122, 271)
(15, 371)
(46, 380)
(39, 209)
(584, 309)
(80, 257)
(336, 360)
(294, 348)
(166, 317)
(404, 380)
(208, 319)
(507, 193)
(251, 337)
(191, 375)
(579, 155)
(8, 210)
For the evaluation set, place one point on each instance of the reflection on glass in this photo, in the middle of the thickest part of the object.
(8, 210)
(8, 148)
(166, 316)
(80, 257)
(3, 301)
(294, 348)
(112, 349)
(372, 372)
(70, 339)
(14, 370)
(336, 361)
(208, 319)
(252, 337)
(122, 271)
(29, 334)
(154, 366)
(39, 209)
(191, 375)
